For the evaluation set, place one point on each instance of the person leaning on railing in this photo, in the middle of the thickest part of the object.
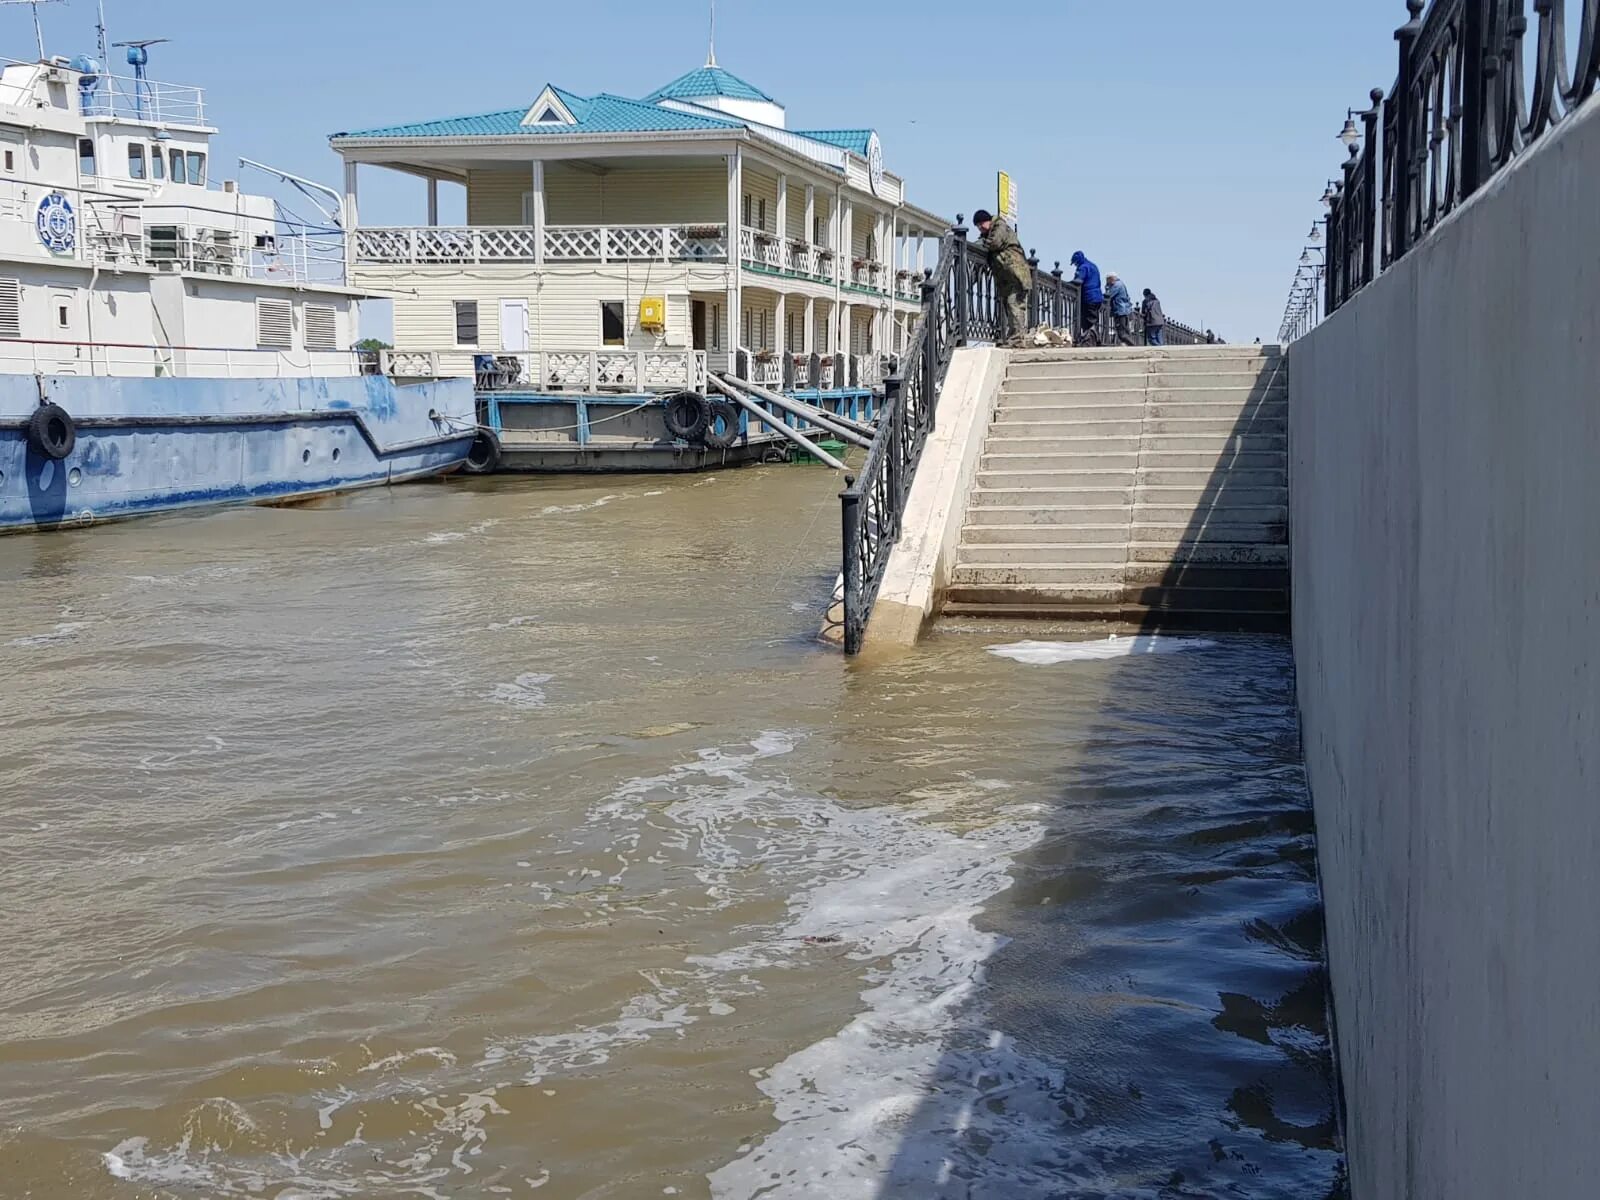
(1094, 297)
(1013, 278)
(1155, 320)
(1121, 308)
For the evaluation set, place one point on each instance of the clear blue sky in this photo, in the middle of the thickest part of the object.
(1183, 144)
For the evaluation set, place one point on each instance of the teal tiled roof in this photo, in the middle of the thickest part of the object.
(853, 140)
(709, 81)
(599, 114)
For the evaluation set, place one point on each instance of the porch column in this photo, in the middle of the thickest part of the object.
(809, 330)
(843, 321)
(433, 202)
(811, 212)
(735, 298)
(537, 215)
(780, 319)
(847, 247)
(782, 226)
(352, 217)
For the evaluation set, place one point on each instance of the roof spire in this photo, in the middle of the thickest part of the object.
(711, 55)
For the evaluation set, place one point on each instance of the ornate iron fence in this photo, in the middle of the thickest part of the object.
(1462, 107)
(959, 306)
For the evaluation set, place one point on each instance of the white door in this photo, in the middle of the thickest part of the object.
(514, 326)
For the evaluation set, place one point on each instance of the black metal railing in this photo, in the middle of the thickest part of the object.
(960, 305)
(1461, 109)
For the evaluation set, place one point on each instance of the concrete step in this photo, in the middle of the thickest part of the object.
(1177, 378)
(1275, 412)
(1045, 533)
(1215, 444)
(1026, 480)
(1179, 460)
(1055, 497)
(1197, 426)
(1208, 575)
(1022, 367)
(1143, 596)
(1069, 391)
(1051, 516)
(1126, 460)
(1253, 553)
(1223, 479)
(1147, 620)
(998, 443)
(1050, 426)
(1223, 532)
(1076, 384)
(1213, 499)
(1041, 575)
(1008, 414)
(1152, 513)
(1002, 554)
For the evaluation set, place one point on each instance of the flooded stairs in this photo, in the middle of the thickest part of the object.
(1138, 486)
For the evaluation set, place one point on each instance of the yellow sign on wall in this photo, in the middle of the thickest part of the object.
(1008, 198)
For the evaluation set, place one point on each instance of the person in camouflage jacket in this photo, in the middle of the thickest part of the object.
(1013, 278)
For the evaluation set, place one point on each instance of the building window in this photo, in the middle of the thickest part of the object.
(10, 308)
(818, 230)
(136, 160)
(755, 211)
(322, 327)
(612, 330)
(746, 321)
(179, 175)
(63, 315)
(275, 324)
(11, 160)
(716, 327)
(197, 168)
(158, 163)
(86, 156)
(795, 333)
(466, 322)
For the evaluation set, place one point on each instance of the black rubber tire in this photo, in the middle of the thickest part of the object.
(484, 457)
(51, 432)
(688, 415)
(727, 413)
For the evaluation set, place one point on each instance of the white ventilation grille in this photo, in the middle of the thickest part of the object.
(275, 324)
(10, 308)
(322, 327)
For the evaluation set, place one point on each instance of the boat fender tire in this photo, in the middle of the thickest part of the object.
(727, 413)
(484, 456)
(51, 432)
(688, 416)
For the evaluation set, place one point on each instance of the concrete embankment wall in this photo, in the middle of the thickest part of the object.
(1445, 462)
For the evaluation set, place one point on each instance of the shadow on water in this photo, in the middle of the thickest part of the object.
(1155, 1024)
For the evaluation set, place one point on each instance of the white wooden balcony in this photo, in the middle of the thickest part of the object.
(432, 245)
(791, 256)
(603, 370)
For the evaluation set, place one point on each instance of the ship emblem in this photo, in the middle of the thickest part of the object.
(58, 228)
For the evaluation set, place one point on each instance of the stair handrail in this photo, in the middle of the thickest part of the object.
(959, 305)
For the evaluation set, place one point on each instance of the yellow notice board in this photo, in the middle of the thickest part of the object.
(1008, 198)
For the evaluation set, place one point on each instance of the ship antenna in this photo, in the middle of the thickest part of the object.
(711, 56)
(105, 54)
(38, 30)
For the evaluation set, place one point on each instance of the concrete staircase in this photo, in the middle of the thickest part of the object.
(1137, 486)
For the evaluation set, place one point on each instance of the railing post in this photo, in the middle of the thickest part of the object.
(963, 282)
(1058, 300)
(1033, 295)
(1406, 35)
(850, 512)
(1473, 146)
(1369, 189)
(930, 345)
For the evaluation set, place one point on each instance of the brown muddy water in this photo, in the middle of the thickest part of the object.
(519, 840)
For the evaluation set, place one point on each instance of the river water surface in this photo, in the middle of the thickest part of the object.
(519, 840)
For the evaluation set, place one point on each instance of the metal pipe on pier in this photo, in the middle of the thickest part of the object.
(761, 414)
(841, 427)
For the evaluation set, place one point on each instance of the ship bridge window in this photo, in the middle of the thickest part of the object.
(179, 175)
(136, 161)
(158, 163)
(197, 168)
(86, 156)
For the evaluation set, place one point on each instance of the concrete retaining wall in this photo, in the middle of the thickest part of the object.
(1445, 447)
(919, 569)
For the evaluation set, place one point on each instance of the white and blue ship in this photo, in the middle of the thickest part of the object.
(167, 340)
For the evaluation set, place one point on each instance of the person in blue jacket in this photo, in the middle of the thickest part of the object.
(1094, 296)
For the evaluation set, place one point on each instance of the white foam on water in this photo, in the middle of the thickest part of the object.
(446, 536)
(63, 632)
(561, 510)
(1045, 654)
(525, 692)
